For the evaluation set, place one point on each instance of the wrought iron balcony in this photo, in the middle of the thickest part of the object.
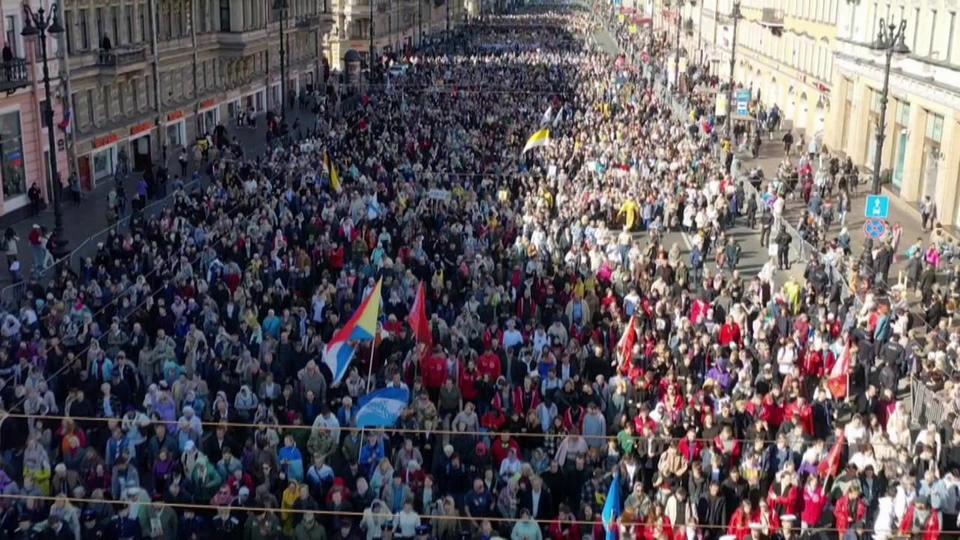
(772, 17)
(308, 21)
(13, 75)
(120, 57)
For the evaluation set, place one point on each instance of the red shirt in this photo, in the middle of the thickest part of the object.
(488, 363)
(468, 380)
(434, 372)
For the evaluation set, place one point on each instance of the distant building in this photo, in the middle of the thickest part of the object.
(24, 151)
(923, 109)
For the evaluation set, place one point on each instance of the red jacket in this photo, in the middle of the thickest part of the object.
(564, 531)
(690, 450)
(434, 372)
(734, 454)
(813, 503)
(489, 362)
(844, 518)
(787, 503)
(730, 333)
(739, 525)
(930, 532)
(467, 384)
(805, 413)
(525, 404)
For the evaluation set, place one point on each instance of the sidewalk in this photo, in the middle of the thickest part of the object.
(901, 212)
(89, 218)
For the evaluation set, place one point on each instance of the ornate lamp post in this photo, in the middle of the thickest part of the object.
(890, 40)
(39, 24)
(280, 6)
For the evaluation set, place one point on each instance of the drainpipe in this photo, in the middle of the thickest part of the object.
(64, 73)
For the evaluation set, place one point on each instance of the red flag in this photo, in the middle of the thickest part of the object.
(831, 465)
(840, 374)
(418, 318)
(627, 341)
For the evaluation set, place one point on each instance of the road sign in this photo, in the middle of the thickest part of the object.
(743, 102)
(875, 228)
(878, 207)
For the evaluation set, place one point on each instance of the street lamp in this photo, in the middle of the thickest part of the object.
(40, 24)
(281, 7)
(676, 57)
(735, 14)
(890, 40)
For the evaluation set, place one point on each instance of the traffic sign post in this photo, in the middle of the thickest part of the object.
(878, 207)
(875, 228)
(743, 102)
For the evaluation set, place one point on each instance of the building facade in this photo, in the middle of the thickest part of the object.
(24, 150)
(149, 77)
(397, 24)
(922, 132)
(783, 53)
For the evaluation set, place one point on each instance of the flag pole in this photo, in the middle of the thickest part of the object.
(373, 346)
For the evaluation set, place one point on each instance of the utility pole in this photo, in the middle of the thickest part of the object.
(676, 56)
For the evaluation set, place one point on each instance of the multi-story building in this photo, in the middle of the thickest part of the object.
(24, 150)
(783, 50)
(397, 24)
(149, 76)
(923, 112)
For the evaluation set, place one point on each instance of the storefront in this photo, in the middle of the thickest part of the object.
(102, 162)
(141, 146)
(208, 116)
(12, 163)
(175, 130)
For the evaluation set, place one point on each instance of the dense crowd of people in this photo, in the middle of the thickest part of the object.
(174, 386)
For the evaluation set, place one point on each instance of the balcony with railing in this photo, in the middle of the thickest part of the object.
(123, 56)
(772, 18)
(121, 60)
(13, 75)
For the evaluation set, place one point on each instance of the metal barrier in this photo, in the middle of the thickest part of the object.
(925, 405)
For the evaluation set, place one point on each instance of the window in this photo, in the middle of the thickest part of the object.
(115, 24)
(225, 15)
(135, 94)
(128, 19)
(100, 26)
(68, 22)
(175, 134)
(933, 33)
(10, 39)
(103, 163)
(948, 56)
(916, 28)
(90, 106)
(903, 113)
(11, 155)
(144, 27)
(875, 102)
(934, 127)
(84, 31)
